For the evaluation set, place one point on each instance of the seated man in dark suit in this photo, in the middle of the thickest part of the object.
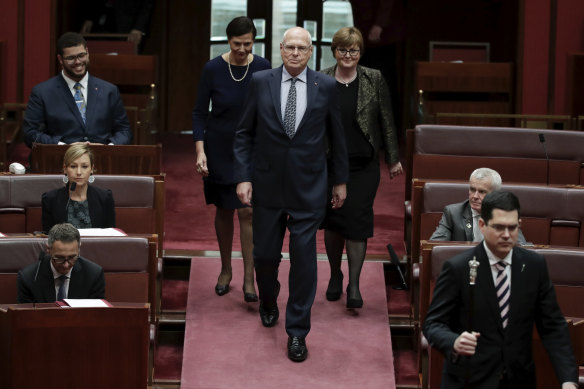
(460, 221)
(60, 272)
(74, 106)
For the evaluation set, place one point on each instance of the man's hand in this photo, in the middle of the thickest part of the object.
(135, 36)
(339, 195)
(466, 343)
(244, 192)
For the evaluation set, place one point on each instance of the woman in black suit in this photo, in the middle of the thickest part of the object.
(77, 202)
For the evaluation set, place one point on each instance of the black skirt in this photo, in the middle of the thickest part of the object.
(222, 196)
(354, 220)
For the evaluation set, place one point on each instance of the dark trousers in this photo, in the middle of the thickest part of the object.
(269, 226)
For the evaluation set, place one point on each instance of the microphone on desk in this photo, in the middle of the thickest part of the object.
(72, 187)
(41, 259)
(40, 130)
(547, 158)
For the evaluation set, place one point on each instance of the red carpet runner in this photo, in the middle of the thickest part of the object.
(226, 346)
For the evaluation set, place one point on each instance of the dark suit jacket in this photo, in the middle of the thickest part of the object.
(533, 301)
(100, 201)
(87, 281)
(456, 224)
(52, 115)
(374, 115)
(290, 173)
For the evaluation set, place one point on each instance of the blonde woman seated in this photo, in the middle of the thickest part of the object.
(78, 203)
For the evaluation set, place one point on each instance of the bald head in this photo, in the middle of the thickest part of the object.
(296, 49)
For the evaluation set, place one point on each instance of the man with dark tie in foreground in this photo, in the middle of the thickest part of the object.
(460, 221)
(60, 271)
(280, 148)
(485, 331)
(74, 106)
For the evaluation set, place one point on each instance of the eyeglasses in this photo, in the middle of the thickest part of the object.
(290, 49)
(73, 58)
(59, 260)
(500, 228)
(352, 52)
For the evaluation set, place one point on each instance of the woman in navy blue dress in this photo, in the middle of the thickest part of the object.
(223, 83)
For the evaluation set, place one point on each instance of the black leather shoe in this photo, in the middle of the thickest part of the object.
(335, 288)
(269, 312)
(221, 289)
(355, 301)
(249, 297)
(297, 350)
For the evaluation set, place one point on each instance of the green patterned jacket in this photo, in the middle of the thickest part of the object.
(374, 114)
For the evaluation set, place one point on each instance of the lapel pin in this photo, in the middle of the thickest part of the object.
(468, 225)
(315, 83)
(522, 268)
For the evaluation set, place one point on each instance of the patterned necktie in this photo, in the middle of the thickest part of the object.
(61, 294)
(80, 100)
(290, 112)
(503, 291)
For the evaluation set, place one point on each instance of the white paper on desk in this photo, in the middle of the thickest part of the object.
(2, 235)
(85, 303)
(101, 232)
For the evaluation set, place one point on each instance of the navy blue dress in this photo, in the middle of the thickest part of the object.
(217, 126)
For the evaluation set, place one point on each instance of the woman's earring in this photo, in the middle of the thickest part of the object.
(91, 179)
(65, 179)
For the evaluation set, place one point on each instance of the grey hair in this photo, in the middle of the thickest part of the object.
(63, 232)
(484, 173)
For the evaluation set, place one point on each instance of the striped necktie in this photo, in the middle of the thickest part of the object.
(503, 291)
(80, 100)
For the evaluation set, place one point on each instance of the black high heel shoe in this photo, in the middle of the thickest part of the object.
(249, 297)
(354, 302)
(221, 289)
(335, 288)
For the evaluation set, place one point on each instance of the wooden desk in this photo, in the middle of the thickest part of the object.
(126, 159)
(447, 87)
(88, 348)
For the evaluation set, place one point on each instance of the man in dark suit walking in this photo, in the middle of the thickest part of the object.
(74, 106)
(485, 331)
(61, 272)
(290, 117)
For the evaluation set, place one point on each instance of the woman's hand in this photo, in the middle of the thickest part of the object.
(395, 170)
(201, 159)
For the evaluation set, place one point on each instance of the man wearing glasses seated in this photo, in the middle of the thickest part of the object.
(60, 272)
(74, 106)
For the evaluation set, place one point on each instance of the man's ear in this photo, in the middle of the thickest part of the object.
(482, 225)
(519, 223)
